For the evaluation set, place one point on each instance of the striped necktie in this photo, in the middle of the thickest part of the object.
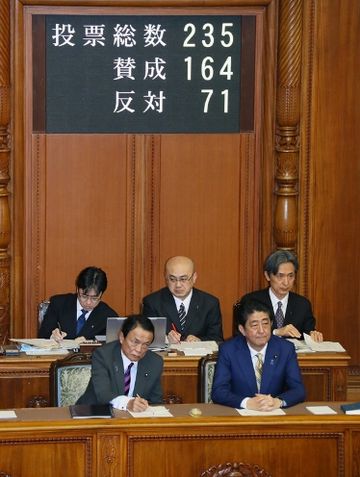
(279, 316)
(258, 369)
(127, 379)
(80, 322)
(182, 315)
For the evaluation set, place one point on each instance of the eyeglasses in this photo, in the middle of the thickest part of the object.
(92, 298)
(135, 343)
(182, 279)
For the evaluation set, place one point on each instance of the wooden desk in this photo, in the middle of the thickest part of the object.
(24, 380)
(47, 438)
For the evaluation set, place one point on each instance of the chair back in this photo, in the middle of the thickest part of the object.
(69, 378)
(235, 469)
(42, 309)
(206, 377)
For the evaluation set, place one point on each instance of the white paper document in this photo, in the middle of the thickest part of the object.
(8, 415)
(196, 348)
(43, 343)
(324, 346)
(153, 411)
(321, 410)
(249, 412)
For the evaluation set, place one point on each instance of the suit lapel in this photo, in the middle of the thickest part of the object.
(170, 309)
(142, 375)
(118, 370)
(245, 365)
(272, 354)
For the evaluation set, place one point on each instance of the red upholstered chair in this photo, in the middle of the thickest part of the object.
(235, 469)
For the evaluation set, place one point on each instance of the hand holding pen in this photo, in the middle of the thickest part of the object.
(138, 404)
(174, 336)
(58, 335)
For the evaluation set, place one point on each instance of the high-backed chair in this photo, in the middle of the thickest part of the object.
(42, 309)
(206, 376)
(235, 469)
(69, 378)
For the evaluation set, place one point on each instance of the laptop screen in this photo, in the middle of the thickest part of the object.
(115, 323)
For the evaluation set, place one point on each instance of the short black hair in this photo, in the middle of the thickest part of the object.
(133, 321)
(92, 278)
(243, 309)
(275, 259)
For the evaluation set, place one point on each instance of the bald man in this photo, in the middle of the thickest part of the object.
(192, 314)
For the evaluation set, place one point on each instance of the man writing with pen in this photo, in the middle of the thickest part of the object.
(192, 314)
(125, 373)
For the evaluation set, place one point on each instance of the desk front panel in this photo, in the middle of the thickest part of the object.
(298, 443)
(24, 380)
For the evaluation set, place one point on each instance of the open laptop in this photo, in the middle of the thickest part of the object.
(115, 323)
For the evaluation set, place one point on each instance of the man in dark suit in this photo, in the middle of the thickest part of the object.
(256, 370)
(125, 372)
(80, 315)
(192, 314)
(291, 313)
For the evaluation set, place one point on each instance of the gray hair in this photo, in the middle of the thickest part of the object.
(275, 259)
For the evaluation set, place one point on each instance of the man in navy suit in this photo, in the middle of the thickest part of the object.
(80, 315)
(201, 320)
(297, 317)
(108, 383)
(257, 370)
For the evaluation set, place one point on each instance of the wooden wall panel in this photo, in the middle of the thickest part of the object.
(77, 208)
(331, 172)
(202, 214)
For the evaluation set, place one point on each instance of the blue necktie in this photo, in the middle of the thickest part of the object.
(182, 315)
(80, 322)
(127, 379)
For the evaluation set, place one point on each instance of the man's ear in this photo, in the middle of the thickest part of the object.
(194, 278)
(241, 329)
(267, 277)
(121, 337)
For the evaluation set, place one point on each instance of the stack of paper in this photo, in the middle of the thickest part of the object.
(310, 346)
(153, 411)
(196, 348)
(39, 346)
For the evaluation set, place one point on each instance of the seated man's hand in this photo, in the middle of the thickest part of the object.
(316, 336)
(137, 404)
(288, 331)
(80, 339)
(57, 335)
(192, 338)
(174, 337)
(263, 402)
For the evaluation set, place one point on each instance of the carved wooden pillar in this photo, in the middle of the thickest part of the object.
(4, 168)
(287, 124)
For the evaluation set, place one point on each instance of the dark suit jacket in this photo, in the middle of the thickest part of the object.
(62, 309)
(202, 320)
(107, 376)
(235, 380)
(298, 311)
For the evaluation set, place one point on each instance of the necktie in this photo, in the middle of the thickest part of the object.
(80, 322)
(258, 369)
(127, 379)
(279, 316)
(182, 315)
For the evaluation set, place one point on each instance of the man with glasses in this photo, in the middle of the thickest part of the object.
(80, 315)
(192, 314)
(292, 313)
(125, 373)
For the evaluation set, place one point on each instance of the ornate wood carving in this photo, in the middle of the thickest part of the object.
(4, 168)
(287, 124)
